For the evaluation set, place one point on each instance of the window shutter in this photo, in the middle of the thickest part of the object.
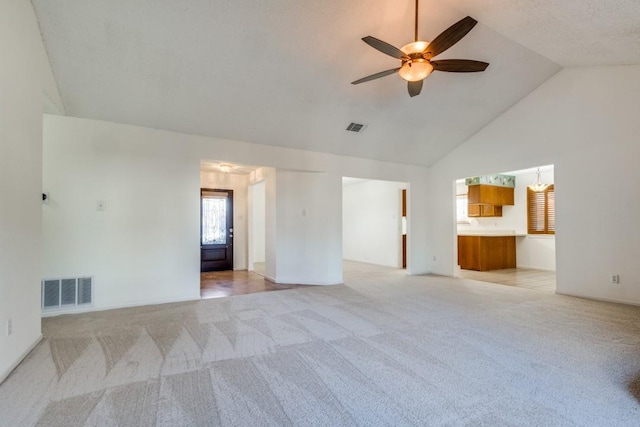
(535, 209)
(541, 211)
(551, 210)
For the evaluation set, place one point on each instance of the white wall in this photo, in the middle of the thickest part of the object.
(240, 186)
(308, 228)
(371, 222)
(144, 247)
(584, 122)
(257, 229)
(26, 82)
(532, 251)
(269, 176)
(536, 251)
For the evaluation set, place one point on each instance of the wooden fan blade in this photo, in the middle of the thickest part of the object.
(375, 76)
(415, 88)
(459, 65)
(449, 37)
(385, 47)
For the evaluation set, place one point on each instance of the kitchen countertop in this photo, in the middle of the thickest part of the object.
(490, 233)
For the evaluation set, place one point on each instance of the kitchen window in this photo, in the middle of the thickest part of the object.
(541, 211)
(462, 209)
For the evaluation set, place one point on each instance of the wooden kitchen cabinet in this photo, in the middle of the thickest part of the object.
(483, 253)
(487, 200)
(490, 195)
(483, 210)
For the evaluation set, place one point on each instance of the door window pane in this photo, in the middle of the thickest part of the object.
(214, 220)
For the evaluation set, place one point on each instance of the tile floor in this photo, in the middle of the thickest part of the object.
(540, 280)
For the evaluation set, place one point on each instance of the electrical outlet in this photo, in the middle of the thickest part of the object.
(9, 327)
(615, 279)
(100, 205)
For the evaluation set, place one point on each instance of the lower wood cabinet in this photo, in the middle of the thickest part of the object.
(483, 253)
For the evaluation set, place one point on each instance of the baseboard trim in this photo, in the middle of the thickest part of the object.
(8, 372)
(117, 306)
(269, 279)
(536, 268)
(591, 297)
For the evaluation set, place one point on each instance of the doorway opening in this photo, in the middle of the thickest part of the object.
(374, 224)
(506, 230)
(243, 243)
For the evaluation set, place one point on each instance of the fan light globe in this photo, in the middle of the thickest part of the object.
(417, 69)
(414, 47)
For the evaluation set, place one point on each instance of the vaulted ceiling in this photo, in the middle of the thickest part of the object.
(278, 72)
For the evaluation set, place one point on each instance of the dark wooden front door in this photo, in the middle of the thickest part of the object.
(216, 230)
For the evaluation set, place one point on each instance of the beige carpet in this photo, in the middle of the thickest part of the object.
(384, 350)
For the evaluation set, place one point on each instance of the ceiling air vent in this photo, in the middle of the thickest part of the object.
(356, 127)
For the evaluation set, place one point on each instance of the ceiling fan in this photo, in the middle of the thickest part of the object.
(416, 58)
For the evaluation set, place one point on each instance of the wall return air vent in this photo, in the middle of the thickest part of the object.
(65, 294)
(356, 127)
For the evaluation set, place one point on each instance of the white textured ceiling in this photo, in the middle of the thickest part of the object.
(569, 32)
(278, 72)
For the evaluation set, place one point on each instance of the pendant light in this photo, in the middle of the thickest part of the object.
(538, 186)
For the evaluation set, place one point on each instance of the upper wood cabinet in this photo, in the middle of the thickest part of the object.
(490, 195)
(479, 210)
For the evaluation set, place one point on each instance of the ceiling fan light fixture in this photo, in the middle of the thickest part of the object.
(415, 58)
(415, 70)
